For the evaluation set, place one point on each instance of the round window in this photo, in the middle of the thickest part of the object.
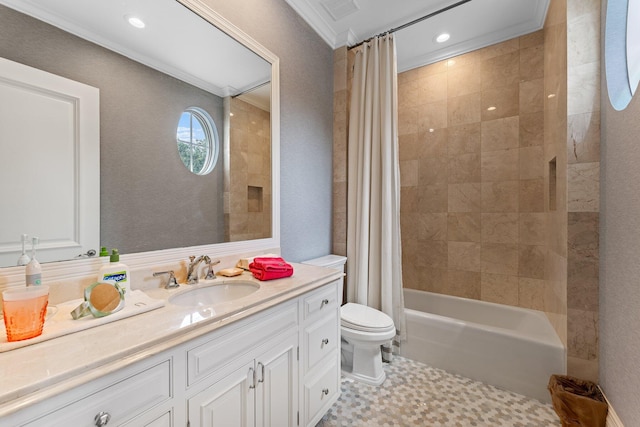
(197, 139)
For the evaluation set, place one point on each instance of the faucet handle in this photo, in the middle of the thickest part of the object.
(172, 282)
(192, 258)
(210, 273)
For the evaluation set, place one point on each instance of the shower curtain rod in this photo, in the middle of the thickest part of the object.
(251, 88)
(415, 21)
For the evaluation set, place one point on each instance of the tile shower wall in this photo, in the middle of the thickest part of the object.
(583, 186)
(247, 184)
(471, 137)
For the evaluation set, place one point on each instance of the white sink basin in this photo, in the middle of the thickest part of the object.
(216, 293)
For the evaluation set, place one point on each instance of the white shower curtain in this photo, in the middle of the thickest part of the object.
(374, 270)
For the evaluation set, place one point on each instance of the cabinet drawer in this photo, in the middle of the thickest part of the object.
(211, 356)
(321, 392)
(122, 400)
(320, 339)
(323, 301)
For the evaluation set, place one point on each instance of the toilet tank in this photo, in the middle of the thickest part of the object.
(330, 261)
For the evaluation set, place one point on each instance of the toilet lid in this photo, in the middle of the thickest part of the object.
(363, 318)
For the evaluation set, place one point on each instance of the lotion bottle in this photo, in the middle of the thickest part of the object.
(33, 271)
(116, 271)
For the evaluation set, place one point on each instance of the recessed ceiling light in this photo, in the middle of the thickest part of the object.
(492, 108)
(134, 21)
(443, 38)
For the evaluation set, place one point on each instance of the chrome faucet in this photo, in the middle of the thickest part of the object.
(171, 282)
(210, 273)
(192, 270)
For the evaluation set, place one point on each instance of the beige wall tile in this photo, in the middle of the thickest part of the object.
(432, 116)
(407, 120)
(464, 284)
(432, 170)
(407, 147)
(581, 368)
(531, 198)
(464, 256)
(500, 134)
(432, 254)
(531, 261)
(583, 145)
(532, 39)
(499, 49)
(531, 293)
(464, 168)
(501, 165)
(408, 199)
(532, 165)
(584, 187)
(463, 80)
(464, 197)
(339, 196)
(583, 38)
(583, 260)
(432, 144)
(532, 96)
(464, 109)
(409, 173)
(464, 139)
(501, 196)
(500, 227)
(464, 227)
(499, 258)
(408, 95)
(505, 100)
(532, 228)
(583, 88)
(434, 279)
(531, 129)
(582, 331)
(500, 70)
(432, 88)
(499, 288)
(432, 226)
(532, 62)
(432, 198)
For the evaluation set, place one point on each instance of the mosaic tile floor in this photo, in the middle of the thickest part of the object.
(415, 394)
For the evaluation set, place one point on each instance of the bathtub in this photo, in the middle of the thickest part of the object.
(509, 347)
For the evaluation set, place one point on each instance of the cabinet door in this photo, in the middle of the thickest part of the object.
(277, 385)
(228, 402)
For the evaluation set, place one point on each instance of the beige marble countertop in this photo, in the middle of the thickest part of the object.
(39, 371)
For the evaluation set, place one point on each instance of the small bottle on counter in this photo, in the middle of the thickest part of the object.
(33, 271)
(115, 271)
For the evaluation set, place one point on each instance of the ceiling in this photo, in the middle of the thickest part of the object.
(472, 25)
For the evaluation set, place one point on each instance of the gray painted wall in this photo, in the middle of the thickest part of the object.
(620, 257)
(149, 200)
(306, 97)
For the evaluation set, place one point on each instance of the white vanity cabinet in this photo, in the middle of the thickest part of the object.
(140, 395)
(262, 392)
(320, 335)
(278, 367)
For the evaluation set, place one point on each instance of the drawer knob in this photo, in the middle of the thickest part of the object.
(325, 341)
(325, 391)
(102, 418)
(324, 302)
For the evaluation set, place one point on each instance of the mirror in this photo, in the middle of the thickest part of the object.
(146, 79)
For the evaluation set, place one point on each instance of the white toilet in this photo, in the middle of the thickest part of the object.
(363, 330)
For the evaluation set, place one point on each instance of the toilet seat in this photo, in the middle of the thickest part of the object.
(361, 318)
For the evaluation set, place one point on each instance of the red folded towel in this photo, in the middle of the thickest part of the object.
(270, 268)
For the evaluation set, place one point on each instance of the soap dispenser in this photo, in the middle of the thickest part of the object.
(33, 271)
(115, 271)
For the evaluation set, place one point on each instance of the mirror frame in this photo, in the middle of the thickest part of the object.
(59, 270)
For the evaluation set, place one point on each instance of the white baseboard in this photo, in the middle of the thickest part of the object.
(613, 420)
